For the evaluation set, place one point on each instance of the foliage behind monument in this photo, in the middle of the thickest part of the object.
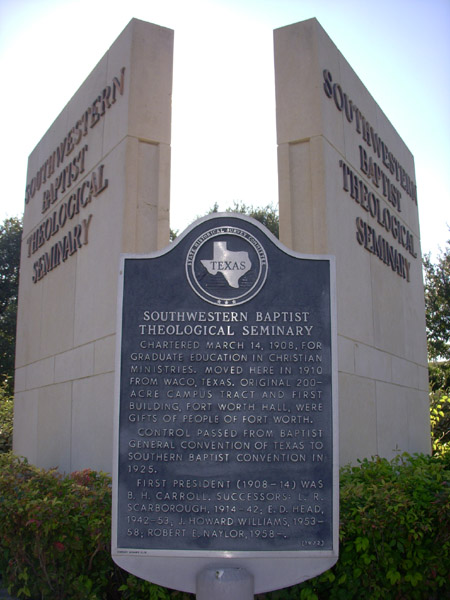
(10, 238)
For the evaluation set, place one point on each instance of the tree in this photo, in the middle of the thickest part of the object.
(10, 240)
(267, 215)
(437, 301)
(437, 306)
(6, 419)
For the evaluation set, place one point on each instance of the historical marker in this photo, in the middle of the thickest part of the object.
(226, 415)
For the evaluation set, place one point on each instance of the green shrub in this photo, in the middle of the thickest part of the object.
(6, 419)
(54, 531)
(55, 537)
(440, 423)
(394, 536)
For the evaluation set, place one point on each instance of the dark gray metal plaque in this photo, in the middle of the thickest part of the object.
(226, 438)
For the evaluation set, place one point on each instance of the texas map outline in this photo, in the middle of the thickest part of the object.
(232, 265)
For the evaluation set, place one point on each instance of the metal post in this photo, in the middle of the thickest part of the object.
(225, 584)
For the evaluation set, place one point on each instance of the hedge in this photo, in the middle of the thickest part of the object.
(394, 535)
(55, 536)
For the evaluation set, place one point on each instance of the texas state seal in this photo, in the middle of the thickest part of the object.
(226, 266)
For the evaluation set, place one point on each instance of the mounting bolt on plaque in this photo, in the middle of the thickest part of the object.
(225, 583)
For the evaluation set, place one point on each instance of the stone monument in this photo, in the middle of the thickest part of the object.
(97, 185)
(347, 188)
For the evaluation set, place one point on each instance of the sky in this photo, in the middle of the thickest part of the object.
(223, 109)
